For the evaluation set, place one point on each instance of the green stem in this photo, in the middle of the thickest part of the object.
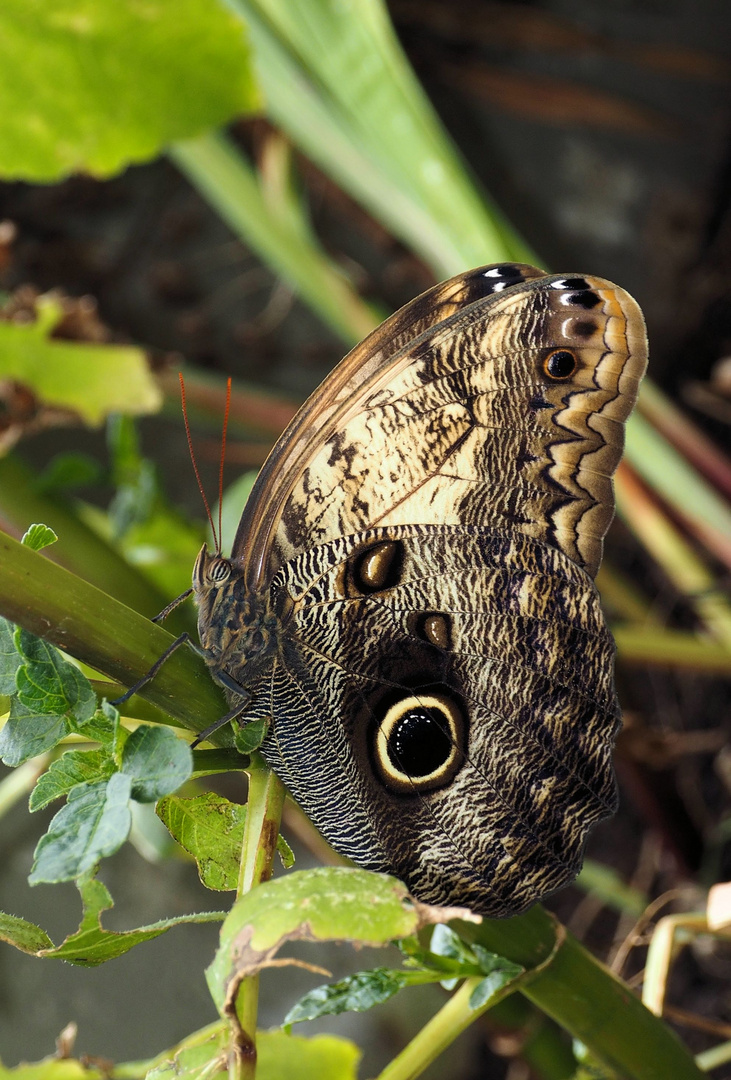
(263, 816)
(440, 1032)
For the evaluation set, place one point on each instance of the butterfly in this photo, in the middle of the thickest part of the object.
(410, 596)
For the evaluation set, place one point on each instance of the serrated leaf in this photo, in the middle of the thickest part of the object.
(91, 944)
(10, 658)
(179, 67)
(27, 734)
(325, 904)
(211, 829)
(286, 855)
(250, 737)
(72, 768)
(38, 536)
(156, 761)
(94, 823)
(356, 993)
(48, 683)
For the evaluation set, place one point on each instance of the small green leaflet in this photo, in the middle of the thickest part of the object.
(156, 761)
(38, 536)
(250, 737)
(211, 829)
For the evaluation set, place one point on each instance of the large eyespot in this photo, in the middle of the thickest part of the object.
(218, 571)
(560, 364)
(420, 743)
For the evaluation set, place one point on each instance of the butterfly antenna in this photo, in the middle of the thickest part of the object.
(223, 458)
(195, 465)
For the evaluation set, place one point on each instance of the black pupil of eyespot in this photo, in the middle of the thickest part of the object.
(560, 364)
(419, 743)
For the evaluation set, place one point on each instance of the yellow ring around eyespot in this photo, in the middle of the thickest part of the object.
(401, 781)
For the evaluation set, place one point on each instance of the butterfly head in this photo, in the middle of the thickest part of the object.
(237, 628)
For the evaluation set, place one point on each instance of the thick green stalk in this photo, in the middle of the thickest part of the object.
(583, 996)
(90, 625)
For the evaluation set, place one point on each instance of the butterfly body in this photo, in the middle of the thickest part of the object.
(410, 594)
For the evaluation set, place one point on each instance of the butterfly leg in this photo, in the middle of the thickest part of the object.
(149, 675)
(223, 720)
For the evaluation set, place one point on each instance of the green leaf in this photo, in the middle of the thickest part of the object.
(38, 536)
(356, 993)
(89, 379)
(286, 855)
(93, 85)
(94, 823)
(325, 904)
(250, 737)
(49, 684)
(156, 761)
(72, 768)
(69, 470)
(211, 829)
(10, 658)
(202, 1056)
(323, 1057)
(27, 733)
(91, 944)
(23, 935)
(499, 973)
(53, 1068)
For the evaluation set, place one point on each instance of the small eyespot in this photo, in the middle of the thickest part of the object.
(219, 570)
(560, 364)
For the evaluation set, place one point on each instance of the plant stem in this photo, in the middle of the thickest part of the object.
(440, 1032)
(263, 815)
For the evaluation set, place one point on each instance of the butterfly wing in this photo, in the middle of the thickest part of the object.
(442, 694)
(448, 413)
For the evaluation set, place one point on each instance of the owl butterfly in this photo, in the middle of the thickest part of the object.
(410, 594)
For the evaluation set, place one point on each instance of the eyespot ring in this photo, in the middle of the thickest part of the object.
(560, 364)
(420, 743)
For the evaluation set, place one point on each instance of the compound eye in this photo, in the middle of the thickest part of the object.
(218, 571)
(420, 743)
(560, 364)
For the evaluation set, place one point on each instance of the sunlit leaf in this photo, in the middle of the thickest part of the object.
(92, 85)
